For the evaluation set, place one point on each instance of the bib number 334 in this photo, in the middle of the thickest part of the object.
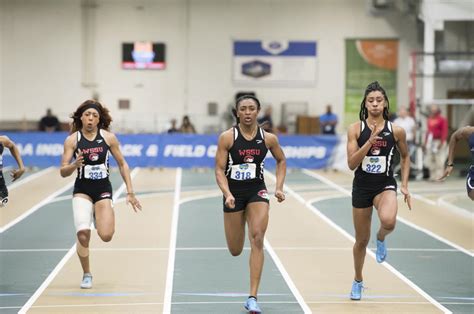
(95, 172)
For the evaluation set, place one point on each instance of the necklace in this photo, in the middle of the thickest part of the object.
(252, 134)
(372, 122)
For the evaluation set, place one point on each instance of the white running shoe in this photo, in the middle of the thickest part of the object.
(86, 281)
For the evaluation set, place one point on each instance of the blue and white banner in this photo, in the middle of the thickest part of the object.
(262, 62)
(163, 150)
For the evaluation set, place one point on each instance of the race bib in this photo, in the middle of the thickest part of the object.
(95, 172)
(374, 164)
(243, 172)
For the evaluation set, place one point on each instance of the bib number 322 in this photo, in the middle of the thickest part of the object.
(374, 164)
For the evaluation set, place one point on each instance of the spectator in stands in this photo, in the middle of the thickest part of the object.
(173, 128)
(49, 123)
(187, 126)
(406, 122)
(266, 121)
(434, 145)
(328, 121)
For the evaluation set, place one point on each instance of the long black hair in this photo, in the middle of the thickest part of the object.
(239, 100)
(372, 87)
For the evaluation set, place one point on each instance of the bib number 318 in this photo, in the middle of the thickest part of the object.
(243, 172)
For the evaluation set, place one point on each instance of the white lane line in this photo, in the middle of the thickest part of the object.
(147, 303)
(437, 237)
(66, 258)
(466, 213)
(422, 198)
(352, 239)
(37, 206)
(287, 277)
(233, 302)
(283, 271)
(172, 246)
(370, 248)
(95, 305)
(379, 302)
(282, 248)
(62, 198)
(289, 282)
(223, 302)
(414, 226)
(32, 250)
(200, 197)
(48, 280)
(18, 183)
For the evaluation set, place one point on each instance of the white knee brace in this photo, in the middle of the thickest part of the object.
(83, 210)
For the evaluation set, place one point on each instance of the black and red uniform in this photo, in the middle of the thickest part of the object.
(375, 173)
(93, 177)
(244, 170)
(3, 185)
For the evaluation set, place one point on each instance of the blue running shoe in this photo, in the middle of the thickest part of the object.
(356, 292)
(252, 306)
(381, 252)
(86, 281)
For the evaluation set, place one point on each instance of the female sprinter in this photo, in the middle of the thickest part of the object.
(90, 143)
(370, 146)
(239, 173)
(466, 133)
(15, 173)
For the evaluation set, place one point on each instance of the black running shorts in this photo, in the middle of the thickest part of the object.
(3, 191)
(363, 194)
(96, 189)
(253, 192)
(470, 180)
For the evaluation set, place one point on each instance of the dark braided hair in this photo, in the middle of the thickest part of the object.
(372, 87)
(239, 100)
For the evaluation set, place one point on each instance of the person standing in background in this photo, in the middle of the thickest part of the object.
(49, 123)
(434, 145)
(328, 122)
(187, 126)
(266, 121)
(406, 122)
(173, 128)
